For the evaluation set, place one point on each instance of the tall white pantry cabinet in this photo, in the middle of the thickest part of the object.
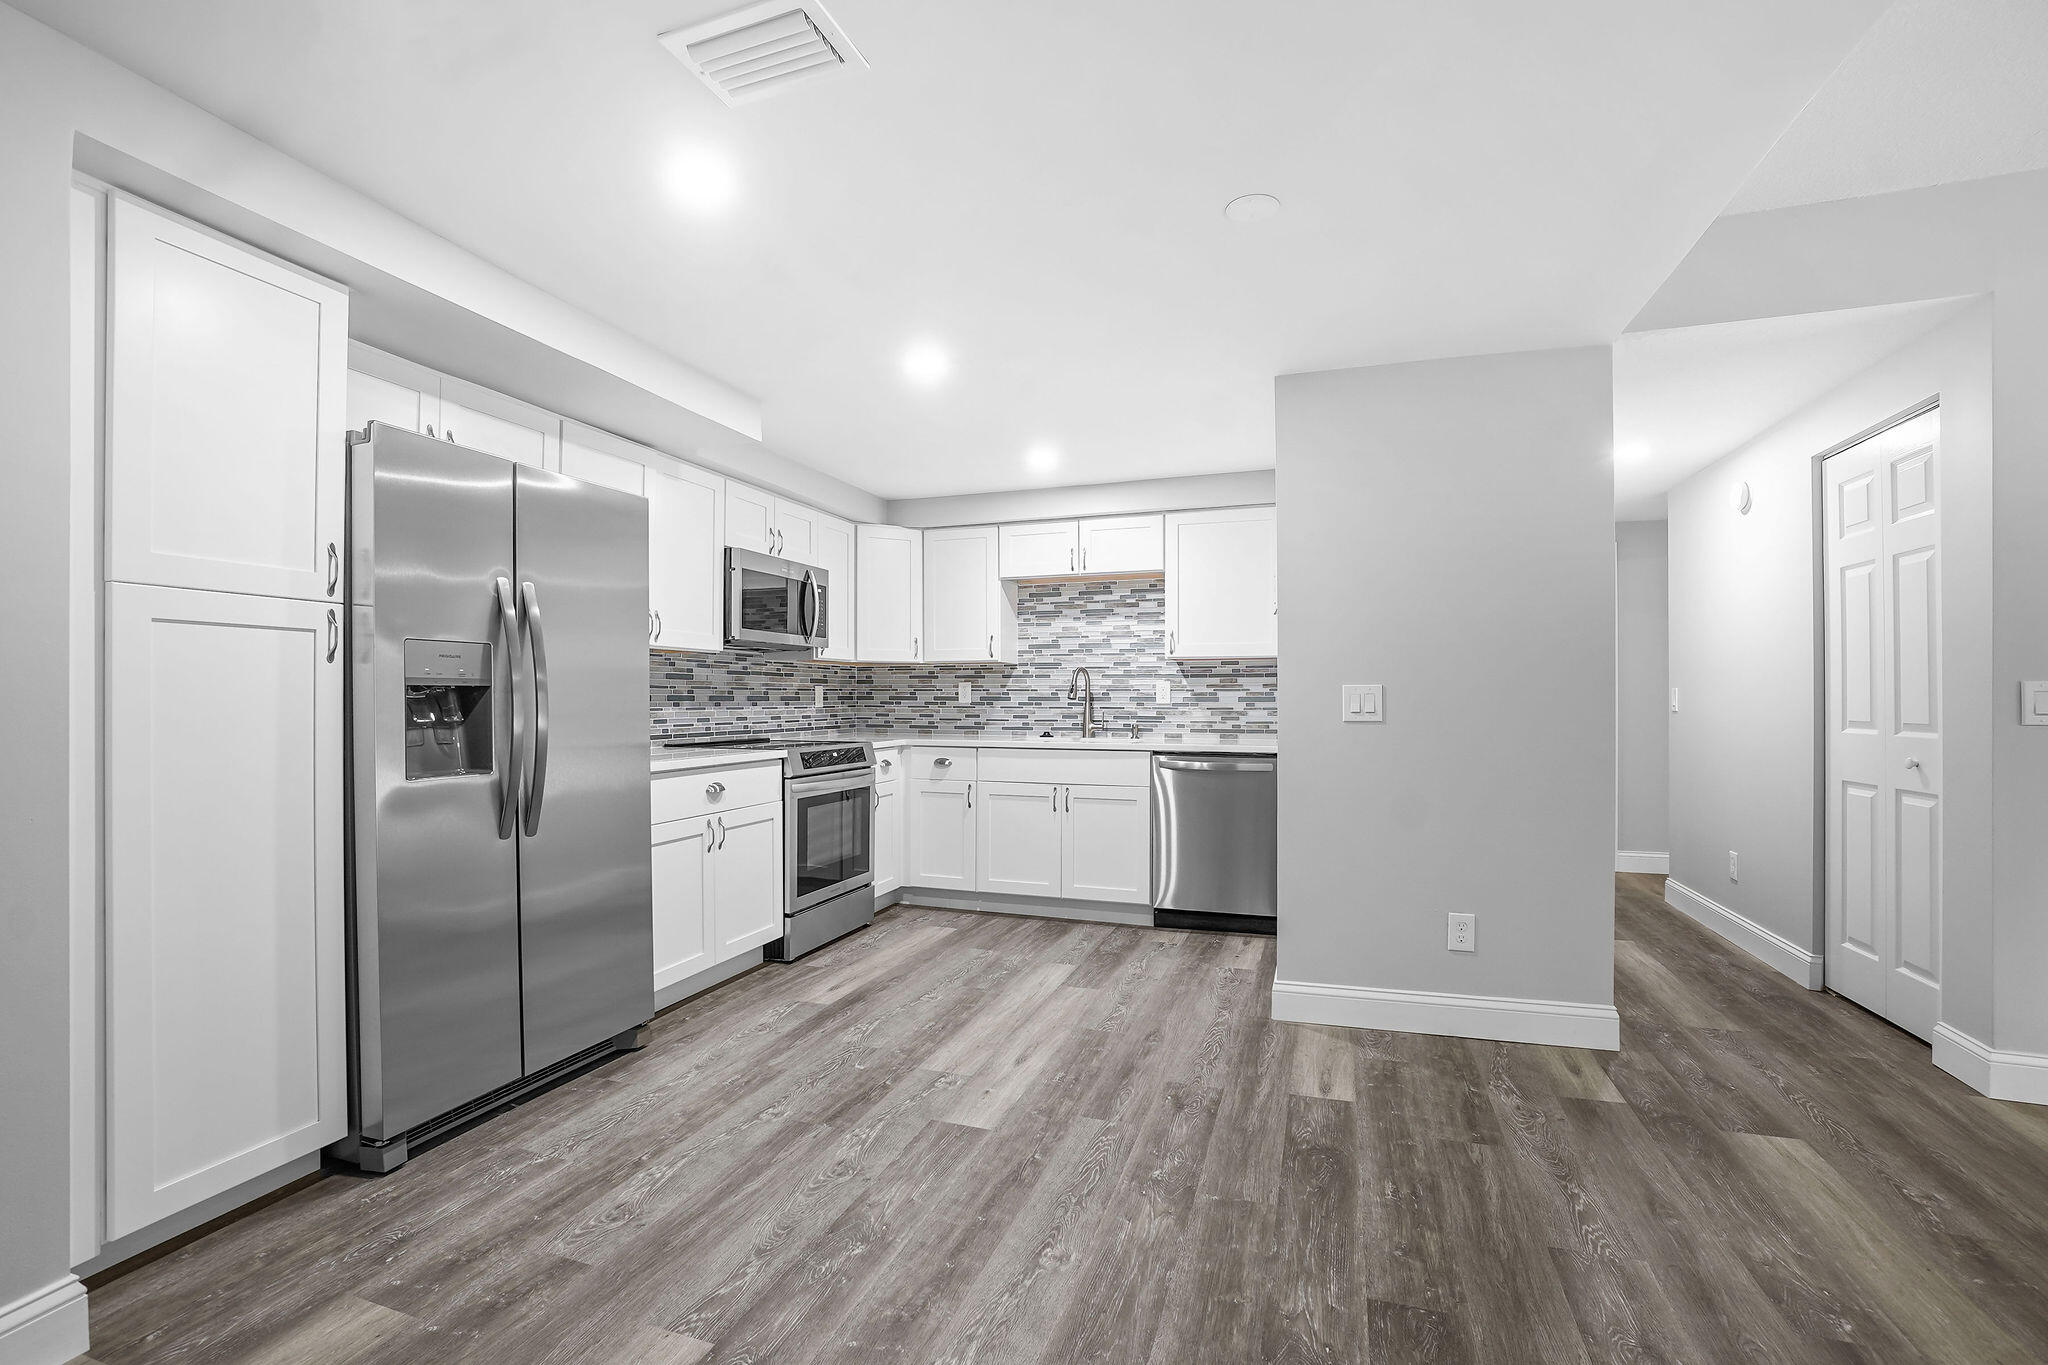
(223, 1041)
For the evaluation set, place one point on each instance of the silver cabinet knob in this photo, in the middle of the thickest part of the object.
(942, 762)
(714, 791)
(887, 764)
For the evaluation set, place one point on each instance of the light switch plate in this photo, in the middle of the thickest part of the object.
(966, 693)
(818, 695)
(1162, 692)
(1363, 703)
(2034, 703)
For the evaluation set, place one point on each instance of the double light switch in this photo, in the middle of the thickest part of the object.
(1362, 703)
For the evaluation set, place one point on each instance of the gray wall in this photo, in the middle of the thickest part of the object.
(1743, 653)
(1642, 773)
(1447, 529)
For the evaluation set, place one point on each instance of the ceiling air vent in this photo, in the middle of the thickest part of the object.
(764, 49)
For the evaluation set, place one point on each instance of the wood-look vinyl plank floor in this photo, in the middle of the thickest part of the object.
(977, 1138)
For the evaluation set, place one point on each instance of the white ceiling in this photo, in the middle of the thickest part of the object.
(1684, 398)
(1037, 186)
(1937, 91)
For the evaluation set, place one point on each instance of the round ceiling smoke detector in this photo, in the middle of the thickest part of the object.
(1251, 208)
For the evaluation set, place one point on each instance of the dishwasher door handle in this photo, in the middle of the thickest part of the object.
(1217, 765)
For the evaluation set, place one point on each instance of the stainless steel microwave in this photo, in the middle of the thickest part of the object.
(775, 603)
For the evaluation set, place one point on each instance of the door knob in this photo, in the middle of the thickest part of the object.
(1913, 763)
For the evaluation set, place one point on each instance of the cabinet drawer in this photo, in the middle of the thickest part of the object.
(891, 764)
(704, 791)
(939, 765)
(1082, 767)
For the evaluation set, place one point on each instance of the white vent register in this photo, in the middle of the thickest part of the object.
(763, 49)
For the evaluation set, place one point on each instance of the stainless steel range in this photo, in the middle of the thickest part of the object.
(828, 799)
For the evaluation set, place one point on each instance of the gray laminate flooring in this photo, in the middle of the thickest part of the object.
(959, 1137)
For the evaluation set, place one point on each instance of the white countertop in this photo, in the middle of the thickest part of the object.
(683, 760)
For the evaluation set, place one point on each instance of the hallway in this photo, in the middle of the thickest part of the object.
(1020, 1139)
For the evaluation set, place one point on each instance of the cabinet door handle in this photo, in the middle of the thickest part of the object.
(970, 796)
(1084, 556)
(710, 837)
(1055, 799)
(991, 646)
(333, 635)
(1070, 558)
(1169, 642)
(721, 831)
(333, 568)
(916, 647)
(657, 625)
(1070, 800)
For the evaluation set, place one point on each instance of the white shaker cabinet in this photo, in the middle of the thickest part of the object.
(835, 547)
(1039, 549)
(968, 613)
(746, 879)
(484, 419)
(888, 835)
(1122, 545)
(1018, 826)
(939, 835)
(686, 558)
(592, 463)
(760, 521)
(682, 898)
(1222, 584)
(226, 1046)
(225, 416)
(888, 582)
(1106, 844)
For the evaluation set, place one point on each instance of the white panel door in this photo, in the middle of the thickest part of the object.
(1222, 584)
(1039, 549)
(682, 899)
(685, 558)
(888, 837)
(968, 617)
(226, 405)
(796, 531)
(746, 879)
(225, 1027)
(888, 584)
(1107, 852)
(1881, 531)
(834, 554)
(1123, 544)
(1019, 830)
(749, 518)
(484, 419)
(939, 836)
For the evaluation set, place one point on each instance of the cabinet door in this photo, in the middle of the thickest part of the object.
(1123, 544)
(1222, 585)
(967, 615)
(888, 586)
(749, 518)
(1038, 549)
(226, 1043)
(1107, 844)
(746, 879)
(373, 399)
(939, 845)
(888, 837)
(1019, 828)
(486, 420)
(835, 557)
(603, 467)
(796, 531)
(686, 558)
(227, 395)
(682, 899)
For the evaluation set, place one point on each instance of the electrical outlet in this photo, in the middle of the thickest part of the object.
(1162, 691)
(966, 693)
(818, 695)
(1464, 933)
(1731, 867)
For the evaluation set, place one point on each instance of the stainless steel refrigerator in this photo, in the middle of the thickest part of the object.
(500, 921)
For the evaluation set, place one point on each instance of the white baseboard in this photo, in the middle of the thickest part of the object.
(1554, 1023)
(1773, 949)
(2021, 1076)
(1630, 860)
(1092, 912)
(47, 1327)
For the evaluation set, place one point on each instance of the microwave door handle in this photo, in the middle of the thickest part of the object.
(537, 749)
(807, 591)
(508, 762)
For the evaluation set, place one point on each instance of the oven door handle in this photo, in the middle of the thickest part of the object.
(826, 786)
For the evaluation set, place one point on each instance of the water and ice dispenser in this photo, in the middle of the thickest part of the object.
(448, 729)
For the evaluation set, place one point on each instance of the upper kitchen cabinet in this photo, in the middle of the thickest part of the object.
(1039, 549)
(968, 614)
(226, 464)
(1222, 584)
(1123, 545)
(397, 392)
(759, 521)
(601, 458)
(835, 555)
(888, 582)
(486, 420)
(686, 558)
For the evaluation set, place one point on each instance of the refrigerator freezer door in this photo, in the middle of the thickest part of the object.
(435, 910)
(587, 920)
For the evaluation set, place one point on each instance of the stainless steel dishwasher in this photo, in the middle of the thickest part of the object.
(1215, 842)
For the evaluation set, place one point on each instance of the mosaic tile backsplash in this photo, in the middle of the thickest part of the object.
(1116, 628)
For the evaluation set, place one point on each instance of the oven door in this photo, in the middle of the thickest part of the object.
(831, 845)
(771, 602)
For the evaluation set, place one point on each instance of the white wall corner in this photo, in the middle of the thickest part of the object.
(1773, 949)
(2021, 1076)
(1635, 860)
(1552, 1023)
(46, 1327)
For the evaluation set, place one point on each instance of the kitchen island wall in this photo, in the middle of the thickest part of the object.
(1116, 628)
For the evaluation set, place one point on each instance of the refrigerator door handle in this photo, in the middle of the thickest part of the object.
(508, 791)
(537, 748)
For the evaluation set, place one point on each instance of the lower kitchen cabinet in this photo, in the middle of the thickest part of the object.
(746, 879)
(682, 898)
(888, 837)
(939, 836)
(1106, 844)
(226, 1042)
(1019, 838)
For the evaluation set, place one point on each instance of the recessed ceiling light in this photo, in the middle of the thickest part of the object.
(1251, 208)
(925, 363)
(1042, 458)
(701, 180)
